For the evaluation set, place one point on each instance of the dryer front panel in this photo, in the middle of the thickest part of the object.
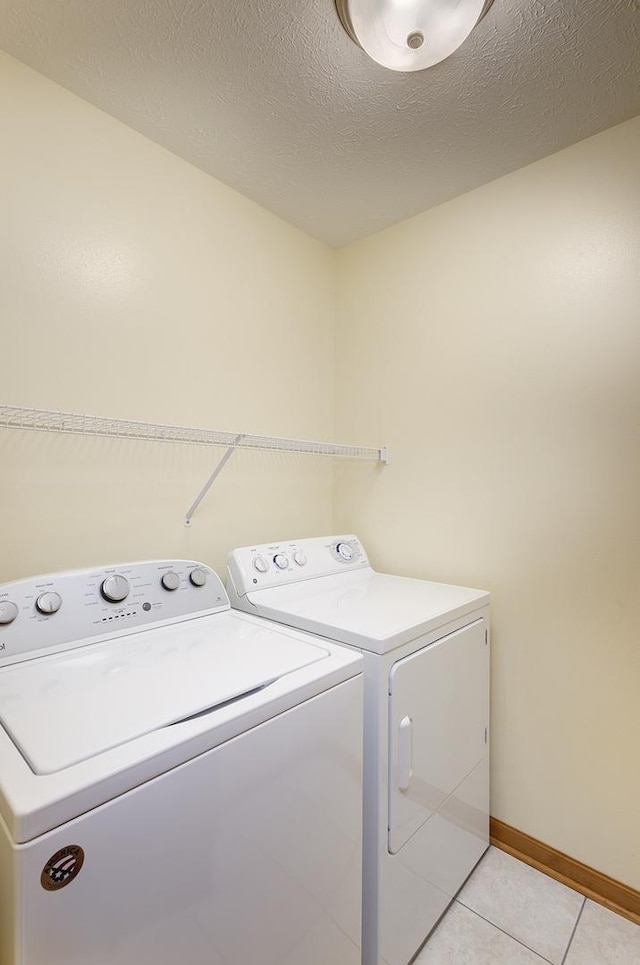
(438, 727)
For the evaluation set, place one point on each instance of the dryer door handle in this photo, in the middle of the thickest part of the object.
(405, 752)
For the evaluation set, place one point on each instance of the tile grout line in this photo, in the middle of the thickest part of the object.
(573, 933)
(512, 937)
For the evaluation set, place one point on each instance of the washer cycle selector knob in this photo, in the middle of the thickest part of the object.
(170, 580)
(261, 564)
(8, 611)
(281, 561)
(49, 602)
(345, 551)
(115, 588)
(198, 576)
(299, 557)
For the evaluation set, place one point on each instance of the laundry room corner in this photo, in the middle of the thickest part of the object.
(493, 344)
(319, 482)
(136, 287)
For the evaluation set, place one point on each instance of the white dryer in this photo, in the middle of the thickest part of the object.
(179, 782)
(426, 719)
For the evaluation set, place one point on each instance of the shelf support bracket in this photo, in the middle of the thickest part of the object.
(212, 478)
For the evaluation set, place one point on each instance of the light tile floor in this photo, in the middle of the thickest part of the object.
(510, 914)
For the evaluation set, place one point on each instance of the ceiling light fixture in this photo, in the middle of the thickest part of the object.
(410, 34)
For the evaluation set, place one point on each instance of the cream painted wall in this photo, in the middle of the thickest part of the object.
(133, 285)
(494, 344)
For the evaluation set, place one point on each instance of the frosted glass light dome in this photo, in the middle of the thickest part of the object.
(410, 34)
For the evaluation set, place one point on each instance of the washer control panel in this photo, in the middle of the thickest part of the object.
(259, 567)
(59, 611)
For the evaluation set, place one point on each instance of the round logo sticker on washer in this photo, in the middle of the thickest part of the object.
(62, 867)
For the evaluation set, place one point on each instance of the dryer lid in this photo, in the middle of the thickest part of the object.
(373, 611)
(63, 709)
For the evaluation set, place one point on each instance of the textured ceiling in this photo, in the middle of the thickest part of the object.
(271, 96)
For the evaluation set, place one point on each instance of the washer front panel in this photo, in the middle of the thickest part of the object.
(248, 853)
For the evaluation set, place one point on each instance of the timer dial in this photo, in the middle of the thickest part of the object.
(115, 588)
(345, 551)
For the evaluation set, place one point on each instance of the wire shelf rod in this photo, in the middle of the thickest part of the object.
(53, 420)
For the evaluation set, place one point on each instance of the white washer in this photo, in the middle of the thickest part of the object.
(426, 706)
(179, 782)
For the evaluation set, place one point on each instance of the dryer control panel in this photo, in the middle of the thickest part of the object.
(60, 611)
(259, 567)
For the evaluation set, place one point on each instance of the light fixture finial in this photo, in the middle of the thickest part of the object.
(410, 35)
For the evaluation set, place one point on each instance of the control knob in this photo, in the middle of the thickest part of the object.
(198, 576)
(281, 561)
(170, 580)
(299, 557)
(48, 602)
(8, 611)
(261, 564)
(115, 588)
(345, 551)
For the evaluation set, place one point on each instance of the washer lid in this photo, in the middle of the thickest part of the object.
(69, 707)
(374, 611)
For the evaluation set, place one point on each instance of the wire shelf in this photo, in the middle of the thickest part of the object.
(51, 420)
